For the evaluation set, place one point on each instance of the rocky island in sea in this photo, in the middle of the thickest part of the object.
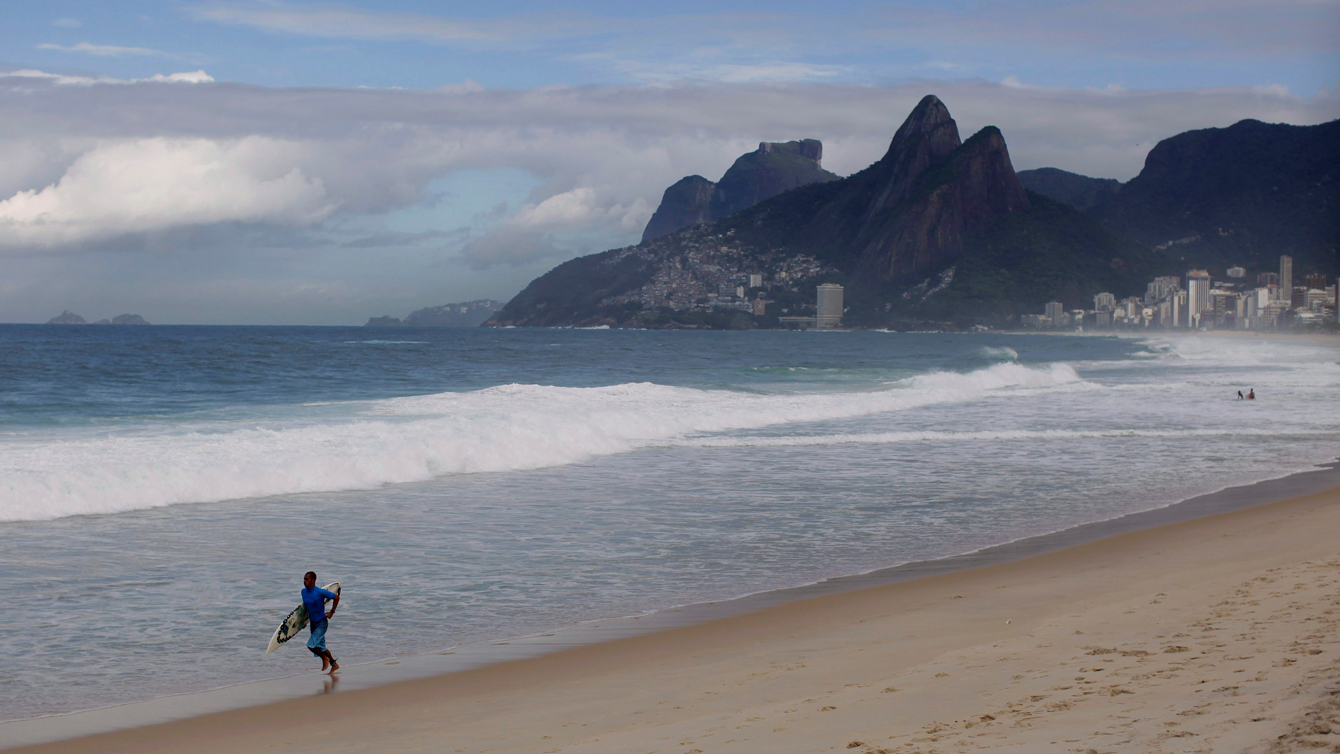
(68, 317)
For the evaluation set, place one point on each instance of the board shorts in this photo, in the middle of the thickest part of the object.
(318, 638)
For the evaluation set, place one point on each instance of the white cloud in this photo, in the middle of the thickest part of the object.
(106, 51)
(155, 184)
(349, 23)
(184, 77)
(558, 212)
(600, 156)
(60, 79)
(530, 234)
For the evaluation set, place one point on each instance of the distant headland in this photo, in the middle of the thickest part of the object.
(942, 233)
(463, 314)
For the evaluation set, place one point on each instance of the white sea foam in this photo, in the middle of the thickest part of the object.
(510, 427)
(887, 438)
(1002, 353)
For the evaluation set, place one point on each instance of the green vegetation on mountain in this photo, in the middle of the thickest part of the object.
(571, 293)
(1079, 191)
(1241, 195)
(1049, 253)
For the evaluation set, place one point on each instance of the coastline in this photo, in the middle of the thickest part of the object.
(580, 645)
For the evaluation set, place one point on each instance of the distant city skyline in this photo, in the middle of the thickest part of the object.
(307, 163)
(1274, 304)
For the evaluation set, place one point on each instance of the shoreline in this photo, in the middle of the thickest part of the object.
(591, 636)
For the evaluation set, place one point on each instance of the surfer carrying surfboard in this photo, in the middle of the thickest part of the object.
(314, 599)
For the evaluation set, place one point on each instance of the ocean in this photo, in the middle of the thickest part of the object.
(163, 489)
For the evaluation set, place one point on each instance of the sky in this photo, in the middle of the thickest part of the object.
(321, 163)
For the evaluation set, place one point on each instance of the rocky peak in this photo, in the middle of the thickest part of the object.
(686, 203)
(773, 168)
(811, 149)
(67, 317)
(928, 134)
(957, 194)
(929, 120)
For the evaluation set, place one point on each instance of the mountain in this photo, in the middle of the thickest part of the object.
(767, 172)
(688, 202)
(463, 314)
(1079, 191)
(938, 229)
(67, 317)
(764, 173)
(1241, 195)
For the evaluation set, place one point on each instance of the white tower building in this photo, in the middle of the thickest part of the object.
(829, 305)
(1198, 296)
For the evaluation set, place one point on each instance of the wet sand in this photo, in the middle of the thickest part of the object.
(1214, 634)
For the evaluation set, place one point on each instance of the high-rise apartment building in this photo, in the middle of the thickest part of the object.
(1161, 288)
(1286, 279)
(1315, 281)
(1197, 295)
(1054, 313)
(829, 305)
(1267, 278)
(1104, 302)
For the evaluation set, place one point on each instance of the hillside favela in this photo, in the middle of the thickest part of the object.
(582, 377)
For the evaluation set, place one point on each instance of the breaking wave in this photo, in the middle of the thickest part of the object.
(364, 445)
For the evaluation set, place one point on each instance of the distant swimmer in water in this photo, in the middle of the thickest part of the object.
(1251, 394)
(1239, 395)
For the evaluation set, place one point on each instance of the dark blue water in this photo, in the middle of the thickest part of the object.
(52, 375)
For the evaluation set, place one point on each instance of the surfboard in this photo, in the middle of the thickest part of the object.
(295, 622)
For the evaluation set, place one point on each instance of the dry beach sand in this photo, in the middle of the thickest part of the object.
(1214, 635)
